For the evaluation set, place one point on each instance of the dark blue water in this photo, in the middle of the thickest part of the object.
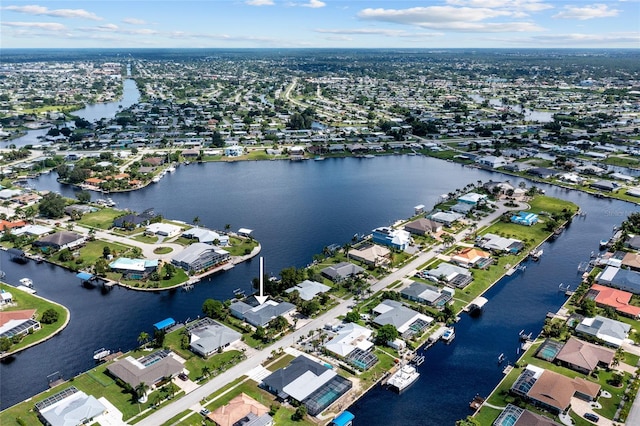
(296, 209)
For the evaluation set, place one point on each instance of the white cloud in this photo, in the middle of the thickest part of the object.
(134, 21)
(587, 12)
(47, 26)
(376, 31)
(464, 19)
(260, 2)
(516, 5)
(574, 39)
(314, 4)
(58, 13)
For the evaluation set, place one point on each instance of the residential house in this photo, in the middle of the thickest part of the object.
(542, 172)
(455, 276)
(242, 411)
(309, 289)
(472, 198)
(61, 240)
(207, 337)
(134, 269)
(423, 226)
(634, 242)
(32, 230)
(462, 208)
(427, 294)
(614, 298)
(525, 218)
(631, 261)
(150, 369)
(407, 321)
(307, 382)
(5, 224)
(515, 416)
(584, 357)
(261, 314)
(163, 229)
(70, 407)
(469, 257)
(341, 271)
(371, 254)
(233, 151)
(604, 185)
(134, 220)
(611, 332)
(622, 279)
(352, 343)
(200, 257)
(553, 391)
(498, 244)
(491, 161)
(396, 238)
(18, 323)
(6, 298)
(206, 236)
(446, 218)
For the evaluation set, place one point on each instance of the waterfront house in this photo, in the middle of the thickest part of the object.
(310, 383)
(150, 369)
(446, 218)
(614, 298)
(134, 269)
(542, 172)
(370, 254)
(631, 261)
(163, 229)
(611, 332)
(423, 226)
(525, 218)
(18, 323)
(242, 411)
(498, 244)
(206, 236)
(259, 315)
(469, 257)
(133, 219)
(398, 239)
(491, 161)
(341, 271)
(61, 240)
(200, 257)
(207, 337)
(472, 198)
(407, 321)
(622, 279)
(633, 242)
(352, 343)
(513, 415)
(462, 208)
(70, 407)
(427, 294)
(233, 151)
(605, 185)
(6, 298)
(308, 289)
(584, 357)
(552, 391)
(453, 275)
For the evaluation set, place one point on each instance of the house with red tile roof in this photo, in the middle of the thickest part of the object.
(614, 298)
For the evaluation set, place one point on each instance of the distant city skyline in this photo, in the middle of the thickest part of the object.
(321, 24)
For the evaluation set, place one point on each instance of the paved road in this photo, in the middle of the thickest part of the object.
(167, 412)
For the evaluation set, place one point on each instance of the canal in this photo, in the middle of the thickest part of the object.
(296, 209)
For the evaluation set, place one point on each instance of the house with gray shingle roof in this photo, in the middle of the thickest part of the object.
(611, 332)
(209, 336)
(407, 321)
(340, 271)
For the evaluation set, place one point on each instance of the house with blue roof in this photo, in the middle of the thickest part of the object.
(622, 279)
(134, 269)
(525, 218)
(396, 238)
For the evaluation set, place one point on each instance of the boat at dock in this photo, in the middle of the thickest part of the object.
(100, 354)
(448, 335)
(403, 378)
(26, 282)
(476, 403)
(536, 254)
(418, 359)
(501, 358)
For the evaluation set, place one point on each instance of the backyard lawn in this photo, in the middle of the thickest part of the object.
(102, 218)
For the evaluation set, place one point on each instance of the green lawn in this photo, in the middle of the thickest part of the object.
(91, 252)
(102, 218)
(240, 246)
(25, 300)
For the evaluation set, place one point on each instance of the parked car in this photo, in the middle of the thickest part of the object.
(182, 376)
(204, 412)
(590, 416)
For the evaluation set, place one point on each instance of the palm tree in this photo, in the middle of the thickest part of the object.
(227, 227)
(141, 390)
(347, 247)
(206, 371)
(143, 338)
(196, 220)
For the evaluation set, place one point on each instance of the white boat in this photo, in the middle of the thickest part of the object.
(100, 354)
(448, 335)
(536, 255)
(171, 169)
(156, 179)
(26, 282)
(404, 377)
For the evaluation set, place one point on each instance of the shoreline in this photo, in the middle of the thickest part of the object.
(44, 339)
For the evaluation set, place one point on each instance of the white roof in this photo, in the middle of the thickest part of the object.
(166, 228)
(348, 338)
(73, 410)
(32, 230)
(307, 383)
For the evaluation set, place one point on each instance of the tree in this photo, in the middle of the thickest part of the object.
(469, 421)
(588, 307)
(141, 390)
(106, 252)
(52, 206)
(279, 323)
(214, 309)
(300, 413)
(309, 308)
(206, 371)
(5, 344)
(83, 197)
(352, 316)
(196, 221)
(49, 316)
(143, 338)
(386, 333)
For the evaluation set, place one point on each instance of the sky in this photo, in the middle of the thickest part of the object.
(320, 24)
